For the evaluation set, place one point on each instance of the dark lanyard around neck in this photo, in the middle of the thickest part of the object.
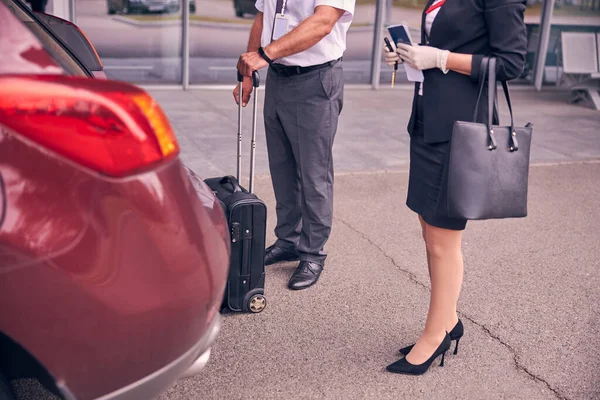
(279, 6)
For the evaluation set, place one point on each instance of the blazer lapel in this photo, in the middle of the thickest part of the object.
(439, 16)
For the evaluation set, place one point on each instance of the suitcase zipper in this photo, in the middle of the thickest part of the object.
(242, 202)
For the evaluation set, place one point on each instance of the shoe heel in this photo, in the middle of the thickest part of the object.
(443, 357)
(456, 348)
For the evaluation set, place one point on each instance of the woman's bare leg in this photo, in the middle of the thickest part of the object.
(446, 274)
(424, 231)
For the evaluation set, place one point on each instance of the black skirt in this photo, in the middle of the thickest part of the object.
(428, 178)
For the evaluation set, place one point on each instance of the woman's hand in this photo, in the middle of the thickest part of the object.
(423, 57)
(391, 57)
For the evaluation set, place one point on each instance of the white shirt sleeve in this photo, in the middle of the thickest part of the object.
(260, 5)
(346, 5)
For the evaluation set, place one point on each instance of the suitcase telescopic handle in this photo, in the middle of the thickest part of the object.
(256, 84)
(255, 78)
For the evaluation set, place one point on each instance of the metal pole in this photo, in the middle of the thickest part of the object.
(377, 44)
(185, 45)
(72, 13)
(542, 49)
(388, 11)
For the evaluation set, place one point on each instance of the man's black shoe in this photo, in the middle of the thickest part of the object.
(275, 254)
(306, 275)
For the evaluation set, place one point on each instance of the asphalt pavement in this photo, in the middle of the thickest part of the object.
(529, 304)
(531, 286)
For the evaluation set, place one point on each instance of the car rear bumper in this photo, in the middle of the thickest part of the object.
(189, 364)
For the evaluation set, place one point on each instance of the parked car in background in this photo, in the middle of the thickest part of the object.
(113, 255)
(38, 5)
(243, 7)
(146, 6)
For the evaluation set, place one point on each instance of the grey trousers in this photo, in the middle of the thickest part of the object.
(301, 118)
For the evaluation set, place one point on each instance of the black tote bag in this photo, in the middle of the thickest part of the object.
(488, 166)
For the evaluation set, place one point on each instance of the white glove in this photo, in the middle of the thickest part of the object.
(423, 57)
(391, 57)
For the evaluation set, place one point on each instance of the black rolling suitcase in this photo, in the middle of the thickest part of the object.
(247, 218)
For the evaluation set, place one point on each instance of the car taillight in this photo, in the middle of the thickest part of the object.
(111, 127)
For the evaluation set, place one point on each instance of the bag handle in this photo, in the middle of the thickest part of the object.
(488, 69)
(482, 77)
(514, 144)
(491, 96)
(492, 90)
(233, 182)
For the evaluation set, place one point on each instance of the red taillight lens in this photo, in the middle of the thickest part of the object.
(112, 127)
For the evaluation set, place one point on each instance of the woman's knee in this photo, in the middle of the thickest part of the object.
(442, 242)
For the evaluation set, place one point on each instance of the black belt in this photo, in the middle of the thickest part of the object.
(287, 70)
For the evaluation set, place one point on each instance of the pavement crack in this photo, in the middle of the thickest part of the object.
(515, 354)
(412, 277)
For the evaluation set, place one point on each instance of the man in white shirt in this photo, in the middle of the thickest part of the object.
(302, 42)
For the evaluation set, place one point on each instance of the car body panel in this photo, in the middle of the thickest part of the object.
(21, 51)
(106, 280)
(146, 388)
(112, 285)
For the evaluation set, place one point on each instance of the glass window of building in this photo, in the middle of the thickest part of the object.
(138, 40)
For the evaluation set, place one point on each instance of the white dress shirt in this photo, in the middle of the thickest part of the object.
(429, 18)
(330, 48)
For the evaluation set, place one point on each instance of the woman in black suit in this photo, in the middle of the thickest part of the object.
(455, 35)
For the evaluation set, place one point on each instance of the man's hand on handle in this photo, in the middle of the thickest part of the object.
(250, 62)
(246, 92)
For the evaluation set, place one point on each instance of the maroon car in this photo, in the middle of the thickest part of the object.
(113, 256)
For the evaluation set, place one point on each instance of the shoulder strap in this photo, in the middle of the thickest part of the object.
(491, 90)
(482, 77)
(492, 93)
(488, 73)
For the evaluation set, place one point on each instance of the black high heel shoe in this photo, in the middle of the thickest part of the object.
(402, 366)
(455, 334)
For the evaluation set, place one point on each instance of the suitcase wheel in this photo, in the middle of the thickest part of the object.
(256, 303)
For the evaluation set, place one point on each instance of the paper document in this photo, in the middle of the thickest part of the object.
(401, 34)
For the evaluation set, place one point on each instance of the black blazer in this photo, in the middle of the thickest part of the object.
(479, 27)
